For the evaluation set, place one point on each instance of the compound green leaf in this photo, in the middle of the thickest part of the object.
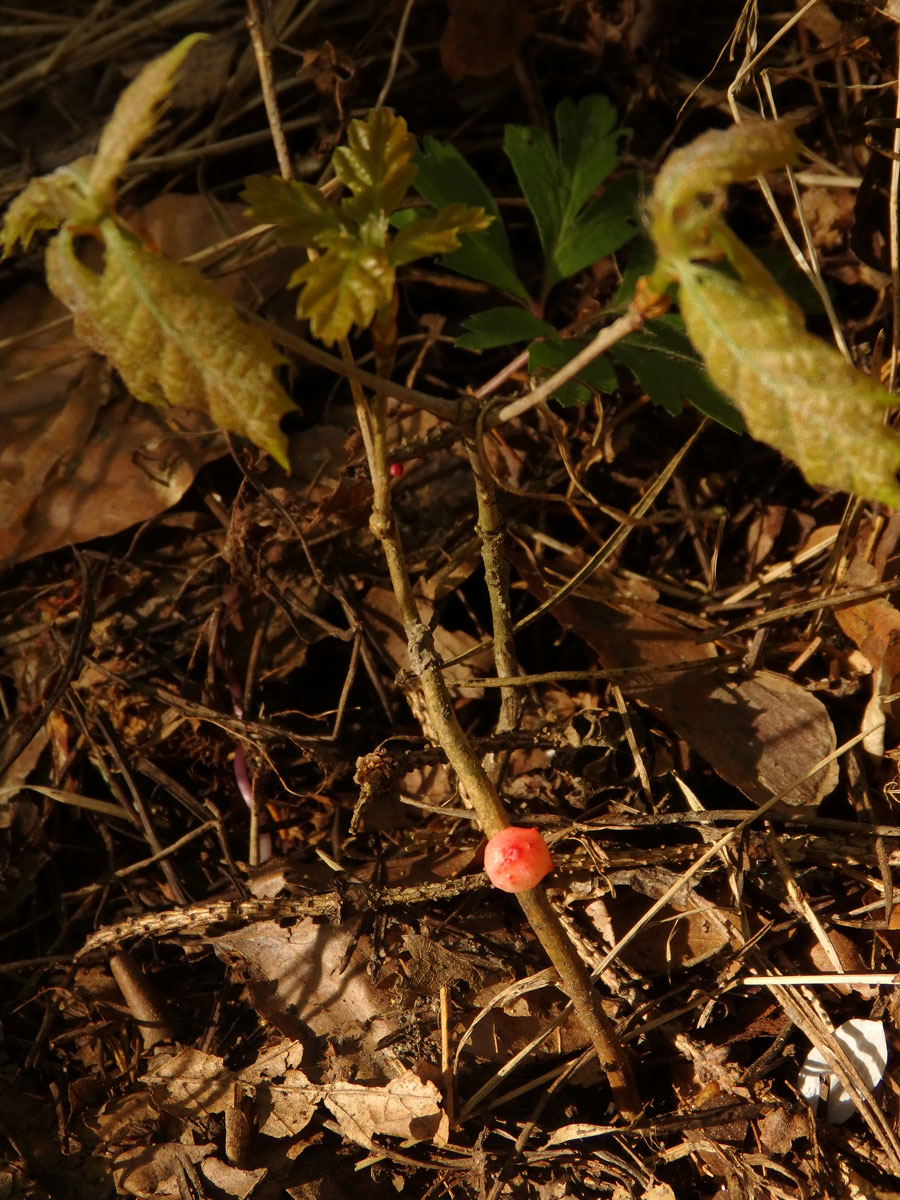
(557, 185)
(48, 202)
(502, 327)
(588, 145)
(598, 376)
(444, 178)
(345, 286)
(172, 336)
(439, 234)
(134, 118)
(299, 211)
(542, 179)
(666, 366)
(376, 164)
(605, 225)
(794, 391)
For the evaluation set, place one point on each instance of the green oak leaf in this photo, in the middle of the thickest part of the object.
(376, 165)
(173, 337)
(346, 286)
(793, 390)
(439, 234)
(300, 212)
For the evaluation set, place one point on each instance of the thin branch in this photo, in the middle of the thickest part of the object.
(395, 54)
(446, 410)
(630, 322)
(473, 779)
(491, 530)
(270, 99)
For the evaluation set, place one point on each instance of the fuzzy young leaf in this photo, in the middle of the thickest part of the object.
(597, 376)
(172, 336)
(444, 177)
(48, 202)
(134, 118)
(793, 390)
(503, 327)
(688, 195)
(300, 212)
(666, 366)
(439, 234)
(557, 185)
(346, 286)
(376, 165)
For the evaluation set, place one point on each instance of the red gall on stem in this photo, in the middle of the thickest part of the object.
(516, 860)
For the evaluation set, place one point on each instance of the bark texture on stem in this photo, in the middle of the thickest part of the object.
(473, 779)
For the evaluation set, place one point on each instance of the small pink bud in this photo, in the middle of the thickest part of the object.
(396, 469)
(517, 859)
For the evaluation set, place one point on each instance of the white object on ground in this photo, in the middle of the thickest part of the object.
(865, 1044)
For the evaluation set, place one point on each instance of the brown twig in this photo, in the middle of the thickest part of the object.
(491, 531)
(474, 780)
(630, 322)
(270, 100)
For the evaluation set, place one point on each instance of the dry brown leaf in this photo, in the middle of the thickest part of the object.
(760, 732)
(233, 1181)
(873, 626)
(407, 1107)
(676, 938)
(297, 983)
(194, 1084)
(482, 37)
(432, 966)
(577, 1132)
(37, 369)
(850, 959)
(191, 1084)
(146, 1170)
(780, 1129)
(91, 468)
(124, 1119)
(510, 1019)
